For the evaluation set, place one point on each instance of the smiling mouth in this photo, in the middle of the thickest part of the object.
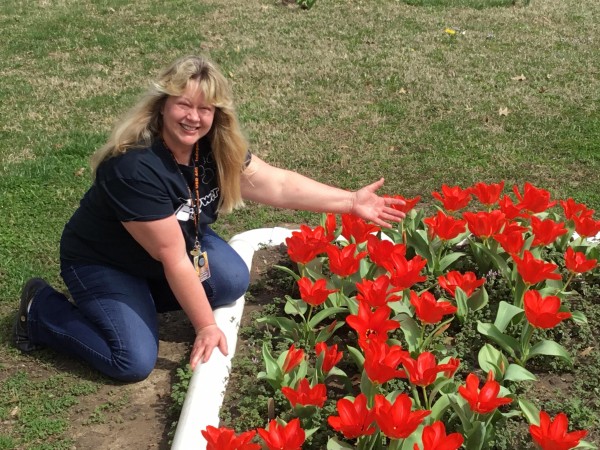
(189, 128)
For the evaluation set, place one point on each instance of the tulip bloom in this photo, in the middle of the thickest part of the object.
(586, 226)
(303, 246)
(314, 294)
(534, 270)
(576, 262)
(445, 227)
(510, 210)
(546, 231)
(331, 355)
(293, 358)
(428, 309)
(225, 439)
(372, 326)
(330, 226)
(355, 419)
(381, 250)
(552, 435)
(543, 312)
(488, 194)
(435, 438)
(280, 437)
(396, 420)
(305, 395)
(534, 200)
(404, 273)
(376, 292)
(382, 362)
(511, 238)
(483, 224)
(344, 262)
(572, 208)
(467, 281)
(486, 400)
(423, 370)
(409, 203)
(453, 197)
(355, 227)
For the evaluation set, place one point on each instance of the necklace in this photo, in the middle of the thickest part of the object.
(194, 198)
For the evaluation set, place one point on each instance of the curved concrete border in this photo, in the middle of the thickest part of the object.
(207, 385)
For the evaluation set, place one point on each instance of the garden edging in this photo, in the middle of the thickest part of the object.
(208, 383)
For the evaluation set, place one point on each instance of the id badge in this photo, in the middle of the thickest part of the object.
(201, 266)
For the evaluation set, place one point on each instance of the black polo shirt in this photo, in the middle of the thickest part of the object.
(140, 185)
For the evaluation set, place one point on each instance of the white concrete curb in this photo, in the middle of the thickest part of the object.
(207, 385)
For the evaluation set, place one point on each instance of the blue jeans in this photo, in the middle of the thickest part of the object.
(113, 324)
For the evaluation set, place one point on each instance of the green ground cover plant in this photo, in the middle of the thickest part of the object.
(346, 92)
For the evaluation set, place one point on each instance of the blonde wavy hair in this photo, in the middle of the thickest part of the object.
(143, 123)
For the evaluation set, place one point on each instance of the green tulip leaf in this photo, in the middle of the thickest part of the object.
(449, 259)
(324, 314)
(578, 317)
(508, 343)
(475, 438)
(357, 356)
(285, 324)
(550, 348)
(440, 407)
(490, 358)
(335, 444)
(411, 331)
(506, 313)
(514, 372)
(418, 240)
(295, 307)
(585, 444)
(288, 271)
(461, 303)
(530, 411)
(478, 299)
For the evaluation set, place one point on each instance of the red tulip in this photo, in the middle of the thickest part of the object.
(304, 245)
(453, 197)
(224, 438)
(586, 226)
(355, 419)
(435, 438)
(423, 370)
(331, 356)
(467, 281)
(483, 224)
(405, 273)
(314, 293)
(534, 270)
(376, 292)
(534, 200)
(409, 203)
(572, 208)
(381, 250)
(428, 309)
(396, 420)
(283, 437)
(445, 227)
(546, 231)
(510, 210)
(511, 238)
(552, 434)
(344, 262)
(543, 312)
(330, 226)
(355, 227)
(305, 395)
(577, 262)
(485, 400)
(293, 358)
(372, 326)
(382, 361)
(488, 194)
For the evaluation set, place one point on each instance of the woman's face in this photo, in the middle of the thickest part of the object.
(186, 118)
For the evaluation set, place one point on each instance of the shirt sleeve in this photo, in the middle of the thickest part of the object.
(136, 200)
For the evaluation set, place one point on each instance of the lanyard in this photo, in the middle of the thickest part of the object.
(196, 198)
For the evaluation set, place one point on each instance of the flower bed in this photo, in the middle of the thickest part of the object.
(371, 356)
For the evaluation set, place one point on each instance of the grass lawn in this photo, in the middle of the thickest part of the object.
(422, 92)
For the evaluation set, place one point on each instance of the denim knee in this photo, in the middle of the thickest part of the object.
(135, 366)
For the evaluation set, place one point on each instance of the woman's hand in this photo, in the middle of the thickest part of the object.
(370, 206)
(207, 338)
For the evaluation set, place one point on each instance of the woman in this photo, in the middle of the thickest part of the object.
(140, 241)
